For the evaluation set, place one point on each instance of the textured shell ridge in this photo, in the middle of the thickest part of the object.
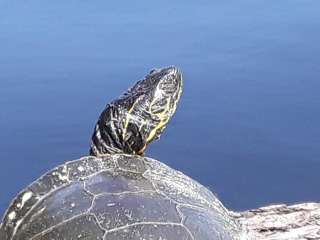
(117, 197)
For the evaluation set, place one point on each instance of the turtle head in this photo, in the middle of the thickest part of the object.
(130, 123)
(160, 92)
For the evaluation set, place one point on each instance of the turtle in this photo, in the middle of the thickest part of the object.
(116, 192)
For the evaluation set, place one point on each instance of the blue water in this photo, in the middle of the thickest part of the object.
(248, 123)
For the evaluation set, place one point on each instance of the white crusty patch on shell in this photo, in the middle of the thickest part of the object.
(81, 168)
(62, 176)
(26, 197)
(12, 215)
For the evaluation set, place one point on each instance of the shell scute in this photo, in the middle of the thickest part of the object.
(114, 211)
(56, 208)
(118, 182)
(150, 231)
(80, 228)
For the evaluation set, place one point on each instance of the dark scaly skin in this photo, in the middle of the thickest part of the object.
(130, 123)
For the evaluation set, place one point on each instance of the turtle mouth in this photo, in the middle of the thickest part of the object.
(179, 86)
(180, 82)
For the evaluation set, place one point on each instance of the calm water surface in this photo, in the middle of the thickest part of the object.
(248, 123)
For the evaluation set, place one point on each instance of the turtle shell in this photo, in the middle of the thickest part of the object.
(117, 197)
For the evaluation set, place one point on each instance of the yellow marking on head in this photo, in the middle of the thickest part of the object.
(128, 117)
(164, 116)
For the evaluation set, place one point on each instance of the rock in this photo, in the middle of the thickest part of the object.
(282, 222)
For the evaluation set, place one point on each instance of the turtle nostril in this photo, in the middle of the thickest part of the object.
(154, 70)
